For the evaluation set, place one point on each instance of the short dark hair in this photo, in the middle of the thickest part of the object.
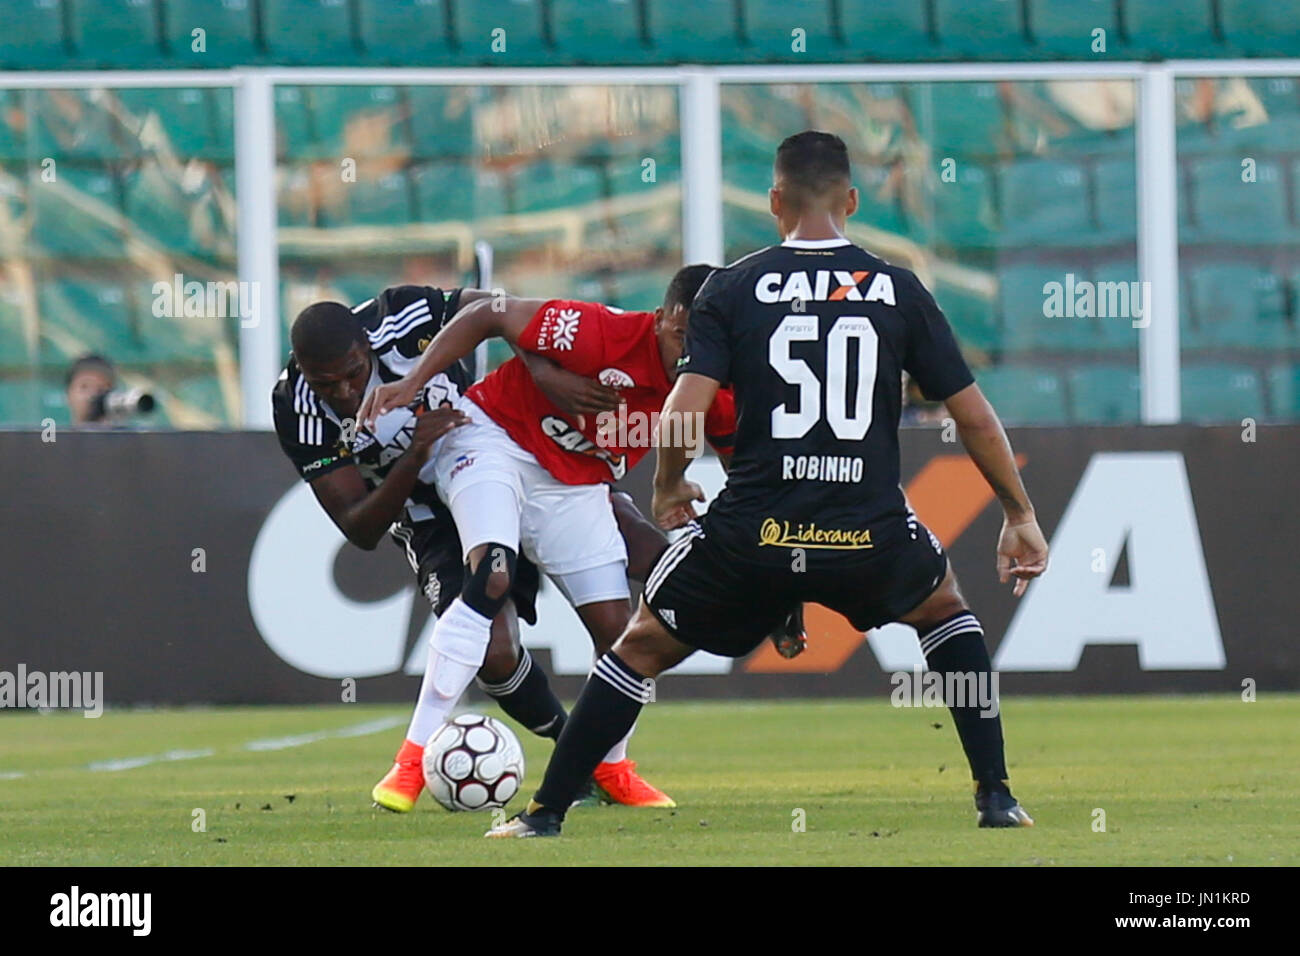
(687, 282)
(89, 361)
(324, 331)
(813, 162)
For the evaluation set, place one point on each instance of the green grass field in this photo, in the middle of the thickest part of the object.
(1182, 780)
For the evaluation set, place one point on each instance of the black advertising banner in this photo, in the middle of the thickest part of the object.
(195, 568)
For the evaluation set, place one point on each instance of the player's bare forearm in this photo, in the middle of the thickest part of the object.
(986, 442)
(688, 402)
(364, 516)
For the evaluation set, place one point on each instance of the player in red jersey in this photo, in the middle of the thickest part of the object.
(526, 476)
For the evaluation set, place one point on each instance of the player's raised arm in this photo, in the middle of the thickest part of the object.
(689, 401)
(573, 393)
(484, 317)
(1022, 549)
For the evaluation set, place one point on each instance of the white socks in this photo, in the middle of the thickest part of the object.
(456, 652)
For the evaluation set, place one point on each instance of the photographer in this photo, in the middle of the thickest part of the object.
(94, 398)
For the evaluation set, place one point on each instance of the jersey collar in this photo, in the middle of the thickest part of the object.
(815, 243)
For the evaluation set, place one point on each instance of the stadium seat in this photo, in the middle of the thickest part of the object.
(770, 26)
(404, 32)
(379, 201)
(15, 351)
(457, 192)
(1237, 305)
(158, 207)
(703, 31)
(1044, 202)
(295, 135)
(297, 203)
(202, 394)
(971, 315)
(974, 29)
(598, 31)
(1116, 332)
(1226, 209)
(83, 315)
(1220, 393)
(1170, 28)
(188, 119)
(879, 204)
(1023, 301)
(116, 33)
(328, 41)
(1065, 28)
(13, 126)
(13, 209)
(1284, 391)
(959, 119)
(442, 120)
(78, 215)
(228, 35)
(548, 185)
(1105, 394)
(475, 25)
(39, 43)
(1024, 395)
(1116, 199)
(745, 230)
(963, 215)
(356, 121)
(74, 124)
(641, 290)
(1266, 28)
(885, 29)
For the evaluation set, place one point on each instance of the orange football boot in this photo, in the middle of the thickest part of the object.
(401, 786)
(622, 784)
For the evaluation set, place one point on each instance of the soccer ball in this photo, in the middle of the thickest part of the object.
(473, 762)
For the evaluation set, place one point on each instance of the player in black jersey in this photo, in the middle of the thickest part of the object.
(814, 334)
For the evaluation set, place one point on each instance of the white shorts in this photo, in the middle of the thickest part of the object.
(563, 529)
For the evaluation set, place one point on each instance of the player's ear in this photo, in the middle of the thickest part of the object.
(774, 201)
(852, 205)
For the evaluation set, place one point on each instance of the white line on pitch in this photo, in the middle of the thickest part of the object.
(130, 763)
(12, 775)
(298, 740)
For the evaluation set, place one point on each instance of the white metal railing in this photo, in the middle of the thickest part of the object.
(700, 119)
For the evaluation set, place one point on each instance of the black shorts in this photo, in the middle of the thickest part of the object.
(726, 596)
(433, 549)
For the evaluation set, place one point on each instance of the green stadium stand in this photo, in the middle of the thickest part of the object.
(1116, 331)
(442, 120)
(1023, 302)
(81, 315)
(122, 34)
(20, 403)
(1024, 394)
(745, 230)
(1065, 28)
(586, 30)
(974, 29)
(1116, 200)
(13, 128)
(446, 192)
(13, 208)
(703, 31)
(296, 202)
(73, 124)
(642, 290)
(474, 26)
(383, 201)
(39, 42)
(963, 210)
(78, 215)
(1105, 395)
(1044, 202)
(14, 350)
(885, 29)
(878, 205)
(229, 36)
(1267, 28)
(1217, 393)
(770, 26)
(188, 118)
(1279, 95)
(959, 118)
(971, 316)
(295, 133)
(329, 39)
(548, 185)
(204, 394)
(626, 175)
(333, 108)
(355, 287)
(1169, 28)
(754, 176)
(1230, 210)
(1237, 305)
(1284, 391)
(404, 32)
(159, 208)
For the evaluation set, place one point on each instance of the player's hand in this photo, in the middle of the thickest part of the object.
(672, 506)
(573, 393)
(431, 425)
(1022, 553)
(385, 398)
